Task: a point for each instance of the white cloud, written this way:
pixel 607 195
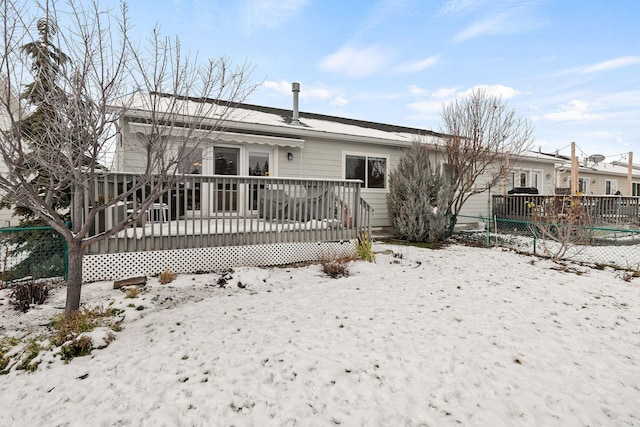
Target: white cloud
pixel 258 14
pixel 500 17
pixel 445 92
pixel 416 66
pixel 601 135
pixel 493 25
pixel 310 92
pixel 315 93
pixel 576 110
pixel 433 104
pixel 612 64
pixel 415 90
pixel 357 61
pixel 339 101
pixel 426 107
pixel 499 91
pixel 279 87
pixel 459 7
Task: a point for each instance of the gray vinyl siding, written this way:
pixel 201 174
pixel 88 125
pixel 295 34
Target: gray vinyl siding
pixel 477 205
pixel 325 159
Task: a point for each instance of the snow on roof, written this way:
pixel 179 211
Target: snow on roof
pixel 278 120
pixel 613 168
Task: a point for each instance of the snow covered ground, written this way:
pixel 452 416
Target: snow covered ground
pixel 457 336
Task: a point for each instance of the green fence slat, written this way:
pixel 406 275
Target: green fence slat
pixel 32 253
pixel 614 246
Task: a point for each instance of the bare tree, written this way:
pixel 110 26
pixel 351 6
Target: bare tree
pixel 483 136
pixel 562 224
pixel 107 74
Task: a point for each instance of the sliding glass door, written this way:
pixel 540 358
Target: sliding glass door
pixel 226 163
pixel 240 161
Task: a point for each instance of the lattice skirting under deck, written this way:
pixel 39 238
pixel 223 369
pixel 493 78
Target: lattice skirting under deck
pixel 122 265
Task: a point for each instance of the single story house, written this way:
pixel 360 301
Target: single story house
pixel 260 140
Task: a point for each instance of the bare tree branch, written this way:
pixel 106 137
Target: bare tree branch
pixel 483 137
pixel 185 102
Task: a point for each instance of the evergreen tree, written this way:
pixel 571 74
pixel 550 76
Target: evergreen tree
pixel 41 250
pixel 419 194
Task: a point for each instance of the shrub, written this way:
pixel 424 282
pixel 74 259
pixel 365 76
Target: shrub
pixel 81 346
pixel 29 293
pixel 6 344
pixel 167 276
pixel 336 267
pixel 30 352
pixel 83 320
pixel 419 197
pixel 364 247
pixel 13 354
pixel 563 224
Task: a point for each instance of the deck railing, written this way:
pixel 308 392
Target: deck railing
pixel 210 211
pixel 602 210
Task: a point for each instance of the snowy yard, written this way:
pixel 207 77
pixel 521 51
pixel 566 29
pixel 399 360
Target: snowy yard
pixel 458 336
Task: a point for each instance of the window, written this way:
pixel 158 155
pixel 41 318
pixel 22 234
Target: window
pixel 583 185
pixel 369 169
pixel 226 160
pixel 635 188
pixel 524 178
pixel 610 186
pixel 191 163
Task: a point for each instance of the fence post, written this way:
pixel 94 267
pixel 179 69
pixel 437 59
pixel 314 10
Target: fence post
pixel 488 224
pixel 65 258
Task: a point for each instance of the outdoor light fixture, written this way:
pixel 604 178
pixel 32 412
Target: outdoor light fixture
pixel 289 156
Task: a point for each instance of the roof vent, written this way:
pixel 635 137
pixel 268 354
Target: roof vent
pixel 295 88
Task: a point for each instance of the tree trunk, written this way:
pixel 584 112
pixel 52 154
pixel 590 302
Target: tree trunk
pixel 74 280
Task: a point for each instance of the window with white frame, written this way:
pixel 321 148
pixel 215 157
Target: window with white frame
pixel 372 170
pixel 635 188
pixel 610 186
pixel 525 178
pixel 583 185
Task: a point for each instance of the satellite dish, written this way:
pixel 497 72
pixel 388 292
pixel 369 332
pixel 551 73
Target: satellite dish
pixel 596 158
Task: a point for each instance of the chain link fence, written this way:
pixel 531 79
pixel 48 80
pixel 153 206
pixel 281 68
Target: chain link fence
pixel 28 254
pixel 605 246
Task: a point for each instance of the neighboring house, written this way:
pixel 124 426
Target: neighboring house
pixel 6 219
pixel 532 169
pixel 600 179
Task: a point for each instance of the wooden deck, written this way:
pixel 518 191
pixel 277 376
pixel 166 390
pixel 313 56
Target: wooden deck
pixel 212 211
pixel 601 210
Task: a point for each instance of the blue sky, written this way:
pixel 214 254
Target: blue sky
pixel 571 66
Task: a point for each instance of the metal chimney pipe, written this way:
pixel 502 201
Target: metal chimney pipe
pixel 295 88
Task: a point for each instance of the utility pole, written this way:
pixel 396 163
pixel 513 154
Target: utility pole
pixel 574 170
pixel 630 174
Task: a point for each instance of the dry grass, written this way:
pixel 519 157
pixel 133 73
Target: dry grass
pixel 167 276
